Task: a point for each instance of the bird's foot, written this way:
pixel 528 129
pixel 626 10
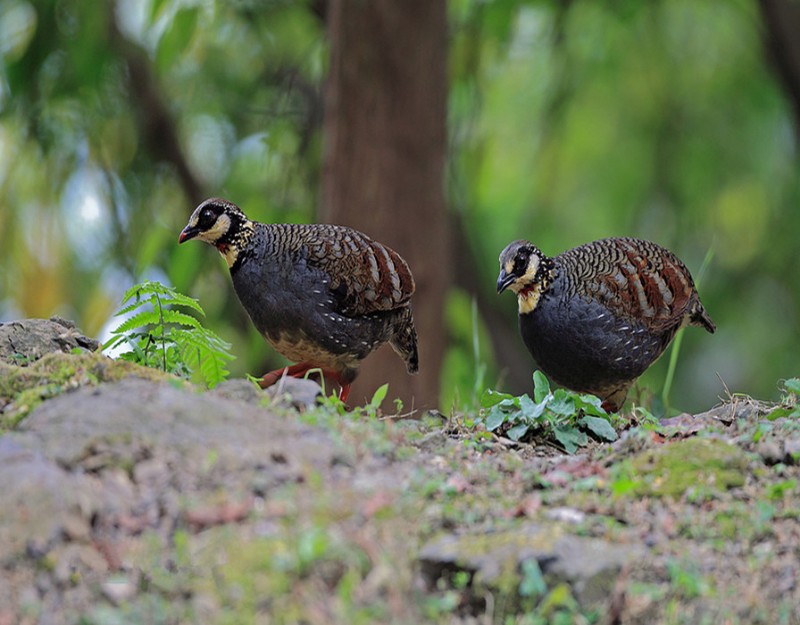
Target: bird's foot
pixel 300 370
pixel 295 371
pixel 609 406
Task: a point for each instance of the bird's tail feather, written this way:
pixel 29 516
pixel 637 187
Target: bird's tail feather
pixel 699 317
pixel 404 340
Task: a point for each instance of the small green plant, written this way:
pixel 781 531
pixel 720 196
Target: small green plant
pixel 374 404
pixel 532 583
pixel 687 580
pixel 162 336
pixel 789 406
pixel 561 414
pixel 332 405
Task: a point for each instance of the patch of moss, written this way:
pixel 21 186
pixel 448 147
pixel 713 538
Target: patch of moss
pixel 302 574
pixel 728 524
pixel 23 388
pixel 495 556
pixel 695 466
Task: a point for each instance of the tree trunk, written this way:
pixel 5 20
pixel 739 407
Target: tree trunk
pixel 781 21
pixel 383 165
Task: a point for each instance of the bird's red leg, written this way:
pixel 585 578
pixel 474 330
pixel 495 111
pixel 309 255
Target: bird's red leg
pixel 336 377
pixel 332 378
pixel 299 370
pixel 295 371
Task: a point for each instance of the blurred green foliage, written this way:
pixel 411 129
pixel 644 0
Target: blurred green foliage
pixel 567 122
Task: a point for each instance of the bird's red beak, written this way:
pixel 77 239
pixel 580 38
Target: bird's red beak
pixel 187 233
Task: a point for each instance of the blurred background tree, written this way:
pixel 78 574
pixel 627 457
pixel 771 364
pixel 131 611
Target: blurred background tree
pixel 566 121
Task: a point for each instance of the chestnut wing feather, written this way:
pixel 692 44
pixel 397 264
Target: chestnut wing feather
pixel 364 276
pixel 635 279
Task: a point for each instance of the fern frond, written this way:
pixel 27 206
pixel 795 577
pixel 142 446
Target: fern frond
pixel 174 298
pixel 140 319
pixel 114 341
pixel 216 341
pixel 213 370
pixel 134 291
pixel 162 336
pixel 176 316
pixel 203 339
pixel 145 289
pixel 129 308
pixel 205 351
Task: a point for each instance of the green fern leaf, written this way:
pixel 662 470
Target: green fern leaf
pixel 132 292
pixel 140 319
pixel 176 316
pixel 205 352
pixel 114 341
pixel 179 299
pixel 213 370
pixel 127 309
pixel 163 336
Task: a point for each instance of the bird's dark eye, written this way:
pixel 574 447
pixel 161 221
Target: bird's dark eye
pixel 207 218
pixel 521 264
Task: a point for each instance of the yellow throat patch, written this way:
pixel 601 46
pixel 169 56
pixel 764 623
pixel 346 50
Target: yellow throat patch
pixel 528 298
pixel 230 253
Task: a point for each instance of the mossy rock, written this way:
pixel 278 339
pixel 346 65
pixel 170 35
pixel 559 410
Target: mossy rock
pixel 496 561
pixel 23 388
pixel 694 465
pixel 26 340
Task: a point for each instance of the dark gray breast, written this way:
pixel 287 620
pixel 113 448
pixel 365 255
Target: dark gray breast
pixel 325 285
pixel 611 310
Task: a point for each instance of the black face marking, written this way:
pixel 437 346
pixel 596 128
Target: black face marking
pixel 516 257
pixel 208 217
pixel 521 260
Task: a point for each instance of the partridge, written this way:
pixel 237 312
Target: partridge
pixel 324 296
pixel 597 316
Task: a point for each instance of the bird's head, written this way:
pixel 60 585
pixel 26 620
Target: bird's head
pixel 525 271
pixel 219 223
pixel 519 267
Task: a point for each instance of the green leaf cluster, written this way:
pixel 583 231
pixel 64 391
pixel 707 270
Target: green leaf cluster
pixel 162 336
pixel 568 417
pixel 789 406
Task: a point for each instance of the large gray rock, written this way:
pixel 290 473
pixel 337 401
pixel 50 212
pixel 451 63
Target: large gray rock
pixel 29 339
pixel 39 502
pixel 133 420
pixel 288 392
pixel 91 470
pixel 589 565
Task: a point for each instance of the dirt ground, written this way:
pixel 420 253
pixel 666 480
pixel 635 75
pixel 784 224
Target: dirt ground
pixel 128 496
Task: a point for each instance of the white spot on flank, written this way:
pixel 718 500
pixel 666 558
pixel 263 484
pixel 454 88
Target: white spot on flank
pixel 617 359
